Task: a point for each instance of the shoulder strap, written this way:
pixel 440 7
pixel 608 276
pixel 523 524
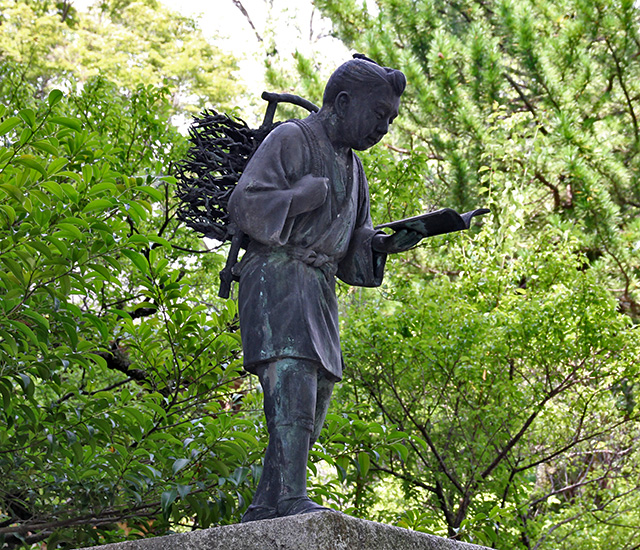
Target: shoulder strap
pixel 312 141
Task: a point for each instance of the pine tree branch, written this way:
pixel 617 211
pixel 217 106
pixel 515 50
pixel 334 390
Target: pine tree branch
pixel 526 101
pixel 554 189
pixel 625 91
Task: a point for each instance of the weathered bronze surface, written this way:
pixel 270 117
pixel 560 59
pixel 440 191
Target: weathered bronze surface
pixel 303 201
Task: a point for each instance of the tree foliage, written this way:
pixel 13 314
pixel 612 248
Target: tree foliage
pixel 491 385
pixel 128 43
pixel 120 378
pixel 508 358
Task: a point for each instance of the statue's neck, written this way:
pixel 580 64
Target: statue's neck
pixel 330 123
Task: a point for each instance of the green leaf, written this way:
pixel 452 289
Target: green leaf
pixel 342 463
pixel 365 463
pixel 155 194
pixel 103 187
pixel 29 412
pixel 28 116
pixel 41 321
pixel 31 162
pixel 78 452
pixel 54 97
pixel 166 500
pixel 71 329
pixel 67 122
pixel 25 381
pixel 120 313
pixel 53 188
pixel 9 340
pixel 9 213
pixel 98 359
pixel 9 124
pixel 401 450
pixel 98 204
pixel 138 260
pixel 42 248
pixel 14 267
pixel 87 173
pixel 156 409
pixel 6 389
pixel 59 244
pixel 136 209
pixel 179 464
pixel 70 191
pixel 76 221
pixel 26 331
pixel 71 230
pixel 25 136
pixel 56 165
pixel 46 146
pixel 183 490
pixel 136 238
pixel 106 274
pixel 13 191
pixel 159 240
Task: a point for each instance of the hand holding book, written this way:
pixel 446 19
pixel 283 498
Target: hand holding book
pixel 431 224
pixel 397 242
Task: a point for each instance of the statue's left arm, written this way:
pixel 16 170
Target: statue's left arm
pixel 362 265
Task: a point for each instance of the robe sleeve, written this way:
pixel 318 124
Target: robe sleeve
pixel 261 201
pixel 362 266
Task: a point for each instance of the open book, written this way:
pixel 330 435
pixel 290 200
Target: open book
pixel 436 223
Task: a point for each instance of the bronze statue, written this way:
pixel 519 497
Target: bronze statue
pixel 303 201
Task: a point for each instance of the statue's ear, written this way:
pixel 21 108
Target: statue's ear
pixel 341 104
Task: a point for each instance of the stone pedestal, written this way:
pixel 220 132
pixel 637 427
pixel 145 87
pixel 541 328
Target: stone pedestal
pixel 317 531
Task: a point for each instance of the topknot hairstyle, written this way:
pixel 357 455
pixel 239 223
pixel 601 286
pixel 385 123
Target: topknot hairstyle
pixel 358 71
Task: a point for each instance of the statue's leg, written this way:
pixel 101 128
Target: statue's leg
pixel 267 492
pixel 323 400
pixel 290 387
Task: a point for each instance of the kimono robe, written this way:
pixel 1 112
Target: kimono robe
pixel 287 301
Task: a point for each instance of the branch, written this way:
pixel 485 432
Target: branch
pixel 244 12
pixel 556 526
pixel 568 446
pixel 554 189
pixel 140 312
pixel 577 485
pixel 118 359
pixel 405 477
pixel 429 441
pixel 108 388
pixel 109 517
pixel 558 389
pixel 523 97
pixel 624 89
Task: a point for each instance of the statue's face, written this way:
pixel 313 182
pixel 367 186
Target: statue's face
pixel 365 116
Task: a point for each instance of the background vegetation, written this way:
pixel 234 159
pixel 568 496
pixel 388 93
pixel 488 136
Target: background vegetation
pixel 492 382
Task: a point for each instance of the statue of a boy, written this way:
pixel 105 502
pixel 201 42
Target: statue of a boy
pixel 303 200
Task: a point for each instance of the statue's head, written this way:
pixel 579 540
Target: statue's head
pixel 364 98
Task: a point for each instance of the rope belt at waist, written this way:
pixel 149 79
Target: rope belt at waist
pixel 306 255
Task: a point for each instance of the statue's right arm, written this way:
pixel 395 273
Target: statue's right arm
pixel 275 187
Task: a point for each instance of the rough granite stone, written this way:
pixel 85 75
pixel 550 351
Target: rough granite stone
pixel 317 531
